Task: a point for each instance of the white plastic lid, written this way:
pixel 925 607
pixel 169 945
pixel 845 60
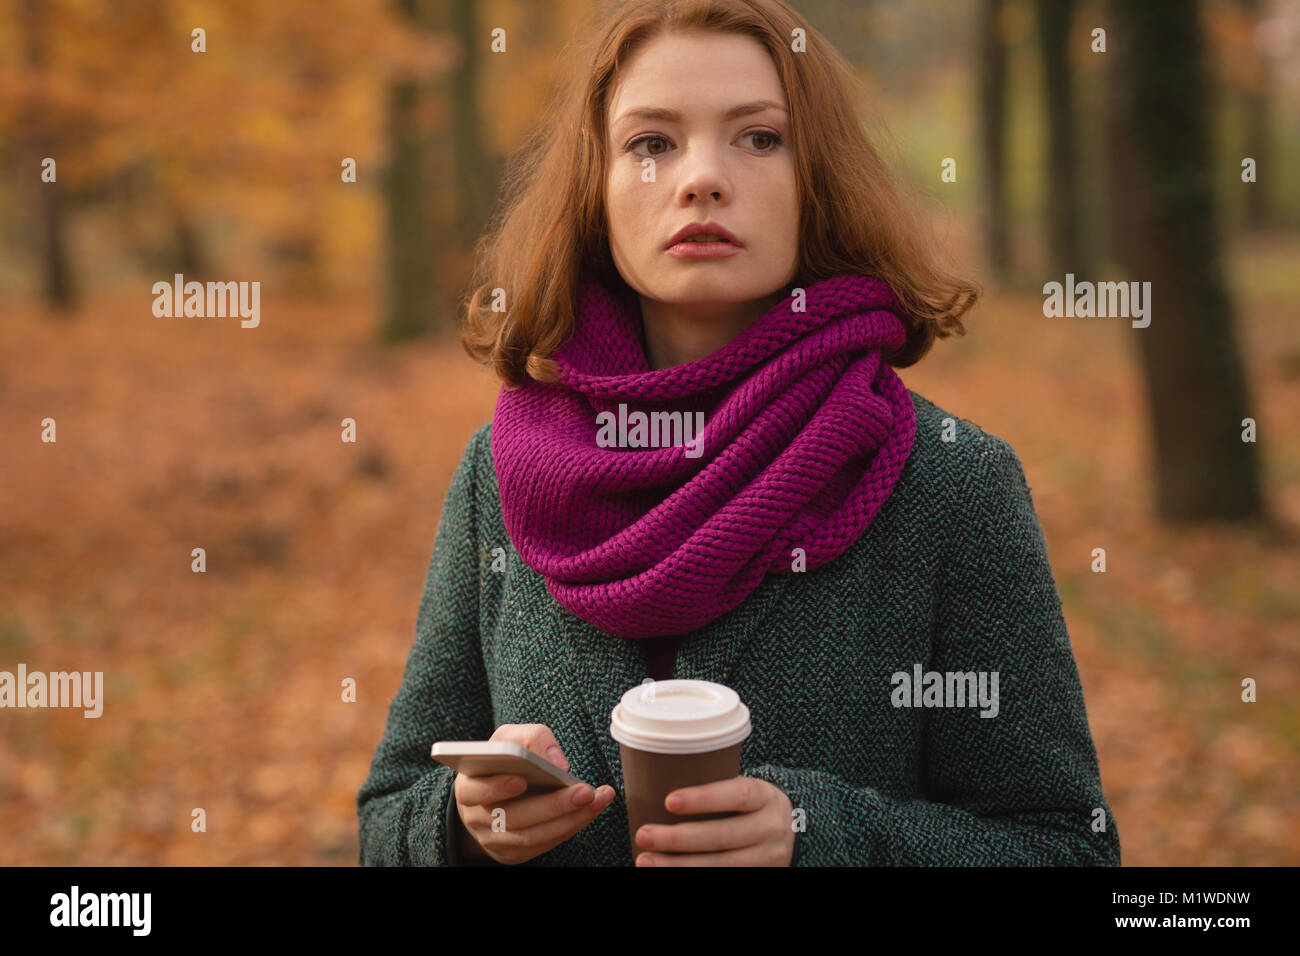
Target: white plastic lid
pixel 680 717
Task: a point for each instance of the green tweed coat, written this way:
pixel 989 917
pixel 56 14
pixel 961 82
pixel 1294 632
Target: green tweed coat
pixel 952 575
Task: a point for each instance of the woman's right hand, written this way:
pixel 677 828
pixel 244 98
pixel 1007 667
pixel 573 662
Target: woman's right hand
pixel 534 823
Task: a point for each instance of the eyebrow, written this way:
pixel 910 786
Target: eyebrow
pixel 672 116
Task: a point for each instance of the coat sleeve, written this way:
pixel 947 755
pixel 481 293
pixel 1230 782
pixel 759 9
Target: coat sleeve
pixel 406 804
pixel 1019 788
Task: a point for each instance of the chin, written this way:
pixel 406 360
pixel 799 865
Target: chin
pixel 713 285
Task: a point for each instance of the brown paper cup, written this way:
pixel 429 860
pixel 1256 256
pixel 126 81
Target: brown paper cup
pixel 648 778
pixel 674 734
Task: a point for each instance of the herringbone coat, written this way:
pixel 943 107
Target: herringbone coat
pixel 952 574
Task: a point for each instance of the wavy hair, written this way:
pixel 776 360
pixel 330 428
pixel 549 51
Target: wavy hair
pixel 549 227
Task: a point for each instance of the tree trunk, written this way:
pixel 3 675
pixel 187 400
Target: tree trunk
pixel 412 287
pixel 1165 233
pixel 992 62
pixel 59 284
pixel 188 255
pixel 473 170
pixel 1258 131
pixel 1062 185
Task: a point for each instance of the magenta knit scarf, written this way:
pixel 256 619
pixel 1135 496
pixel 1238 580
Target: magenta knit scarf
pixel 806 430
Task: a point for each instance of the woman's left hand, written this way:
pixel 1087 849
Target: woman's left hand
pixel 759 835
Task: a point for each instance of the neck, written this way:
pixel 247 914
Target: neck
pixel 675 335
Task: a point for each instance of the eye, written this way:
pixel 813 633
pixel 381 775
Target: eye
pixel 631 147
pixel 775 138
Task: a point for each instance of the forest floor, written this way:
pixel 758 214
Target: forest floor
pixel 223 689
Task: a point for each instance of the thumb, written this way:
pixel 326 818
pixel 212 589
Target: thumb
pixel 543 743
pixel 555 755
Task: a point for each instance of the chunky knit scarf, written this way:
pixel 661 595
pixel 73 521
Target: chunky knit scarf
pixel 643 530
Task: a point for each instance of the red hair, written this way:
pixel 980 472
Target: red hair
pixel 550 228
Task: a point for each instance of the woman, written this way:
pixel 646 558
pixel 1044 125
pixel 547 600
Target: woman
pixel 843 553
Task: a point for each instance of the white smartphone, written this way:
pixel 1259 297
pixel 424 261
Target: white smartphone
pixel 476 758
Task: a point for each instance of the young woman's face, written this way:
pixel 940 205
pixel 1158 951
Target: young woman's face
pixel 734 171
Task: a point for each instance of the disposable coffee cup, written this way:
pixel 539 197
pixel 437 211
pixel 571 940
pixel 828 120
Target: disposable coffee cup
pixel 673 734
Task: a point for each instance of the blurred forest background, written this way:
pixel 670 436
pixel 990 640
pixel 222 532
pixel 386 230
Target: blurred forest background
pixel 223 689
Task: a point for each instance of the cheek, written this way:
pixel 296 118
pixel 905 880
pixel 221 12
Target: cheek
pixel 790 193
pixel 624 200
pixel 781 200
pixel 616 194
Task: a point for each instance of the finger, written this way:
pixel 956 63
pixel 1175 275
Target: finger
pixel 539 739
pixel 489 789
pixel 556 756
pixel 761 854
pixel 535 737
pixel 528 811
pixel 540 837
pixel 697 836
pixel 742 794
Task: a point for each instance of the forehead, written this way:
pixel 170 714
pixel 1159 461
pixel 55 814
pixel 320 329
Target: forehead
pixel 699 75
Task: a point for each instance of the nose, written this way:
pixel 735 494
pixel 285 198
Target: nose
pixel 703 176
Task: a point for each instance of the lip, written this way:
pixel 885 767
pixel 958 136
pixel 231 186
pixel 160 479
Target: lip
pixel 702 228
pixel 703 250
